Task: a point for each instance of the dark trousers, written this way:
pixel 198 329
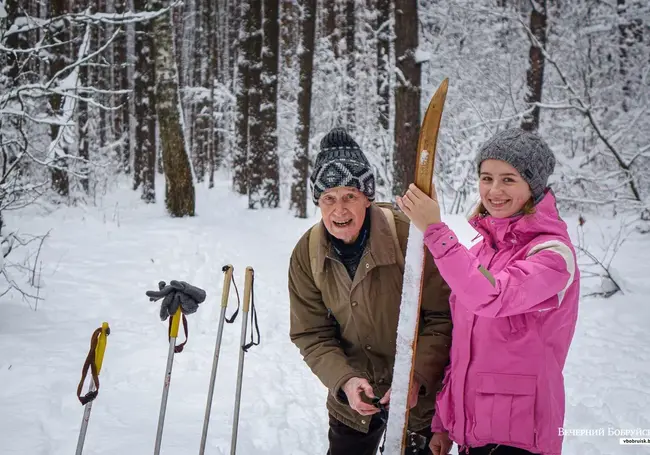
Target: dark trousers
pixel 348 441
pixel 496 449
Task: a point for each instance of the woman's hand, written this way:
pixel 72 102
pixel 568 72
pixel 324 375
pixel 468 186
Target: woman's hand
pixel 440 444
pixel 421 209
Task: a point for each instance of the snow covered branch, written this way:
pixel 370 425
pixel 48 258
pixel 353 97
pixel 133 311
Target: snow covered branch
pixel 585 109
pixel 28 23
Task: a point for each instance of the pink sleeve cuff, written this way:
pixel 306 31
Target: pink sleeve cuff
pixel 439 238
pixel 436 424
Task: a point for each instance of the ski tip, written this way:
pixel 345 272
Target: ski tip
pixel 437 102
pixel 441 93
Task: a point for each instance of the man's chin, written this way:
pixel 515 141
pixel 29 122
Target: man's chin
pixel 344 235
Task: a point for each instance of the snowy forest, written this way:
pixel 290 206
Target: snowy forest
pixel 149 140
pixel 97 91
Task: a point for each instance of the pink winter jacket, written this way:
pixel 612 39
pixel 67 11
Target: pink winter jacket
pixel 514 306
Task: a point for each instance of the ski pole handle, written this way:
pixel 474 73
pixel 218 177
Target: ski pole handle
pixel 101 346
pixel 227 277
pixel 94 359
pixel 228 269
pixel 176 322
pixel 248 286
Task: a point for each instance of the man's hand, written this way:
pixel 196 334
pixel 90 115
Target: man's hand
pixel 440 444
pixel 413 396
pixel 353 389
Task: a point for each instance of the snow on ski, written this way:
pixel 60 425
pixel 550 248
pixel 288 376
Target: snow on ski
pixel 406 329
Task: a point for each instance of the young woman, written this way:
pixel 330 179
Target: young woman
pixel 514 305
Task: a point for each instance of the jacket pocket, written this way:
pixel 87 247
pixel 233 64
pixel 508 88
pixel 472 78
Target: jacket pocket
pixel 504 408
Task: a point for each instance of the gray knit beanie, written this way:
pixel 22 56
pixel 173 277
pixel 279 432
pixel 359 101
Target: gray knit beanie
pixel 341 163
pixel 524 151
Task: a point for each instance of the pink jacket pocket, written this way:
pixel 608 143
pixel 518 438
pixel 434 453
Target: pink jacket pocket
pixel 504 408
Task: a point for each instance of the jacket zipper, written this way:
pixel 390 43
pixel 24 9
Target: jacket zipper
pixel 493 246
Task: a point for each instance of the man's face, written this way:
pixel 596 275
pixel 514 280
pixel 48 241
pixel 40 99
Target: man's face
pixel 343 210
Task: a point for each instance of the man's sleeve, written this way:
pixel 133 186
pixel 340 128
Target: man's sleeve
pixel 434 340
pixel 314 333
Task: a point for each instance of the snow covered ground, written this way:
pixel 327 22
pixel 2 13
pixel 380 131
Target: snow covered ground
pixel 99 261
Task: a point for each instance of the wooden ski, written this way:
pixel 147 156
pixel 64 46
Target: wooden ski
pixel 397 440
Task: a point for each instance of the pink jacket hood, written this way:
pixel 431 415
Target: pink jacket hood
pixel 514 306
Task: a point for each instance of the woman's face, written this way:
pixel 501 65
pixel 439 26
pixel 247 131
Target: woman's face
pixel 503 191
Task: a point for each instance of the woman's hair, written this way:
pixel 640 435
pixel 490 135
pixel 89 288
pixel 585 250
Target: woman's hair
pixel 527 209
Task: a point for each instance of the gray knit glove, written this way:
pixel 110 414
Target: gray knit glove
pixel 175 294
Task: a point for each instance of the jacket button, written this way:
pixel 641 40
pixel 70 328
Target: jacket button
pixel 368 347
pixel 380 381
pixel 355 303
pixel 363 422
pixel 367 265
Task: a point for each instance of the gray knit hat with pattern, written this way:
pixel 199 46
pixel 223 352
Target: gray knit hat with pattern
pixel 341 163
pixel 524 151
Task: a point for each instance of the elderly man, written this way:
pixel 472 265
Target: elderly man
pixel 345 287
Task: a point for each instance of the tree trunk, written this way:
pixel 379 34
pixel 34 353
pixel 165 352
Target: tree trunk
pixel 235 16
pixel 351 50
pixel 200 108
pixel 332 29
pixel 231 78
pixel 383 55
pixel 145 97
pixel 289 32
pixel 83 144
pixel 121 69
pixel 630 32
pixel 535 74
pixel 179 188
pixel 255 145
pixel 101 79
pixel 178 16
pixel 301 160
pixel 14 75
pixel 332 25
pixel 267 163
pixel 196 142
pixel 407 94
pixel 212 23
pixel 59 34
pixel 240 171
pixel 12 62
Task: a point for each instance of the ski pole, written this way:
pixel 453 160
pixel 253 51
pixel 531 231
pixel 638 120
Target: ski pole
pixel 249 301
pixel 228 269
pixel 93 361
pixel 173 334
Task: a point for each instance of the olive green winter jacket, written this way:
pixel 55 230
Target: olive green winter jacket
pixel 349 327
